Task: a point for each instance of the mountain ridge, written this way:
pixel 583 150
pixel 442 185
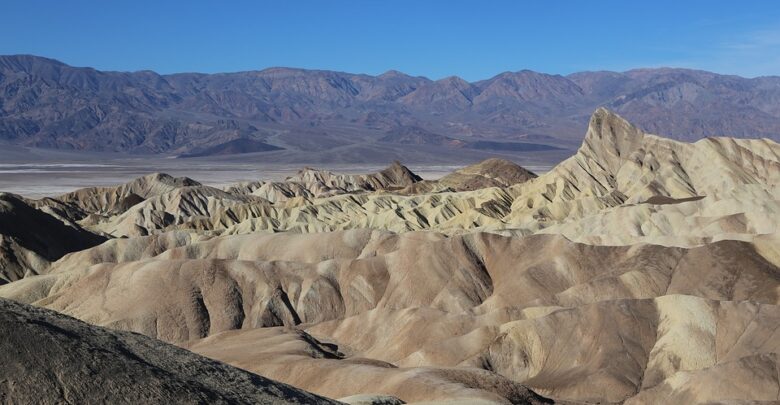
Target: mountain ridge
pixel 47 103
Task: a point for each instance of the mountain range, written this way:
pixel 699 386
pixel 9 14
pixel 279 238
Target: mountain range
pixel 46 103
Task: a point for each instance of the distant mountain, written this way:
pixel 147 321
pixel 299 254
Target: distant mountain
pixel 412 135
pixel 233 147
pixel 689 104
pixel 46 103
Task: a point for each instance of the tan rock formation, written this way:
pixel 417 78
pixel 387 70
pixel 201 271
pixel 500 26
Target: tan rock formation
pixel 503 305
pixel 640 270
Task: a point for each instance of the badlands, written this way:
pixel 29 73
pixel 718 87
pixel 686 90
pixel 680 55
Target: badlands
pixel 639 270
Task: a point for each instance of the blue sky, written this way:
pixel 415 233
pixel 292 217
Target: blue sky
pixel 471 39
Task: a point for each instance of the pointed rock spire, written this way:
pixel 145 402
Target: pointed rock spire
pixel 610 138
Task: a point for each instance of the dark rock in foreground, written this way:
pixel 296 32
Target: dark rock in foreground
pixel 51 358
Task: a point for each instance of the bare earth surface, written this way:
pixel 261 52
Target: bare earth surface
pixel 639 270
pixel 50 358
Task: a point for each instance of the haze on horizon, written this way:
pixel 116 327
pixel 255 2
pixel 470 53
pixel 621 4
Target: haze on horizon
pixel 435 39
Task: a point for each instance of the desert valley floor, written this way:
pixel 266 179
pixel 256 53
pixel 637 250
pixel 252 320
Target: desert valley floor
pixel 639 270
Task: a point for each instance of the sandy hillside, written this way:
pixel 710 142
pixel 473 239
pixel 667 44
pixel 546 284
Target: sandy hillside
pixel 640 270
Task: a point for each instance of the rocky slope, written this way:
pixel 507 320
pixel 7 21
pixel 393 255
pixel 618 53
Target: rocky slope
pixel 489 173
pixel 31 239
pixel 49 358
pixel 107 201
pixel 46 103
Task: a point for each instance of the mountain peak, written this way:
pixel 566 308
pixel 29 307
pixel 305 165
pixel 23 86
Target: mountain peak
pixel 392 73
pixel 455 80
pixel 400 173
pixel 610 137
pixel 30 64
pixel 607 124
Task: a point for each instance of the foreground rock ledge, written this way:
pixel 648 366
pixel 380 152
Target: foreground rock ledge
pixel 50 358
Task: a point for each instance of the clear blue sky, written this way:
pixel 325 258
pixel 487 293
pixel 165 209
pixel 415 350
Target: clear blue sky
pixel 471 39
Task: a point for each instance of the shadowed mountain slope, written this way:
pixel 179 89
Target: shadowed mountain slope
pixel 30 239
pixel 50 358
